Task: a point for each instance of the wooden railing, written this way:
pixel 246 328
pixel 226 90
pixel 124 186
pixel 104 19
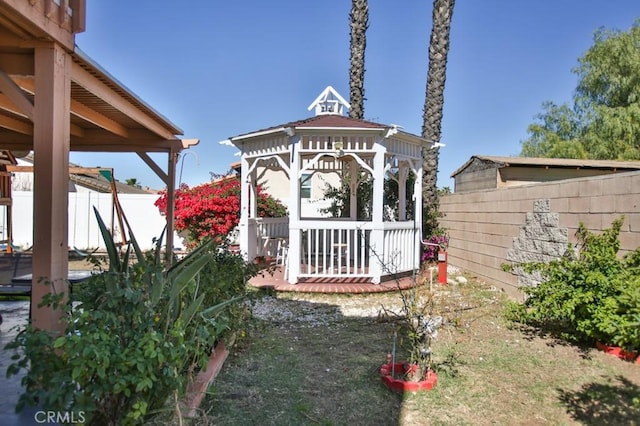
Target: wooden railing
pixel 69 15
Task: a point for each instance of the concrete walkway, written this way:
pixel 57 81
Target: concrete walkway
pixel 14 315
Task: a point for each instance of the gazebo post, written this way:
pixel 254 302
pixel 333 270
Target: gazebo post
pixel 376 263
pixel 248 250
pixel 403 173
pixel 417 214
pixel 295 242
pixel 353 186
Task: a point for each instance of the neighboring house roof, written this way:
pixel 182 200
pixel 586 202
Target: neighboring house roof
pixel 552 162
pixel 99 183
pixel 236 166
pixel 96 181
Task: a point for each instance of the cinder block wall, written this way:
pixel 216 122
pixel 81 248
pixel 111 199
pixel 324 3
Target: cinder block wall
pixel 491 227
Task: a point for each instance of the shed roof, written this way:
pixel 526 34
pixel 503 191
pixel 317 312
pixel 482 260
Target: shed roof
pixel 551 162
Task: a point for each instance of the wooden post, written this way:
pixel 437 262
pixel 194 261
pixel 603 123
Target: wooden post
pixel 171 204
pixel 51 182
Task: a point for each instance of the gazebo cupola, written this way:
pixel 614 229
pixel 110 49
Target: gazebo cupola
pixel 373 234
pixel 330 102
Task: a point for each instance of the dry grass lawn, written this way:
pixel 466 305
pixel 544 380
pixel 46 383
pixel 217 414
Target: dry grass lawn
pixel 314 359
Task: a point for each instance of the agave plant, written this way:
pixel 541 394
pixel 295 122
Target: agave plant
pixel 135 337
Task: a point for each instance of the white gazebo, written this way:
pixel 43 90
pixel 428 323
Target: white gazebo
pixel 334 148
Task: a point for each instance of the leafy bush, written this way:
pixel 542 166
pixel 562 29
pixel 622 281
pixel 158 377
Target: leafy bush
pixel 135 337
pixel 592 295
pixel 225 278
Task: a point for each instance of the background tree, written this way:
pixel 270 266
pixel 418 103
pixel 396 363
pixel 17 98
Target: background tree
pixel 359 22
pixel 339 197
pixel 432 114
pixel 604 122
pixel 133 182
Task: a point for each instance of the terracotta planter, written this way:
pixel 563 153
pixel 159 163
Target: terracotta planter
pixel 619 352
pixel 197 390
pixel 400 385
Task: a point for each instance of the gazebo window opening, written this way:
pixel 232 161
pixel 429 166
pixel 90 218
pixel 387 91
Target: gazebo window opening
pixel 339 195
pixel 305 185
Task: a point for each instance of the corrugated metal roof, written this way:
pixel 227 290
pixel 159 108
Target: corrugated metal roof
pixel 552 162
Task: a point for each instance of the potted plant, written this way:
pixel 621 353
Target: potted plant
pixel 417 327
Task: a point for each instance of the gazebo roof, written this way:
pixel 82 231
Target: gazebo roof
pixel 329 121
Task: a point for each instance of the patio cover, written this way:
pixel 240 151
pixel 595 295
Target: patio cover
pixel 55 99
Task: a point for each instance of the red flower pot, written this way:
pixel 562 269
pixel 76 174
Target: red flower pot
pixel 619 352
pixel 400 385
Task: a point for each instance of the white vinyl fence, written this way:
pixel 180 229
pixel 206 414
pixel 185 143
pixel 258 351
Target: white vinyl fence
pixel 143 217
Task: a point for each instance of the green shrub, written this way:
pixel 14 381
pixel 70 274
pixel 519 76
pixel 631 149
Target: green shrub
pixel 136 334
pixel 625 322
pixel 593 295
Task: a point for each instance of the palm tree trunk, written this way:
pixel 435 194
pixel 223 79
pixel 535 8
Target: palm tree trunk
pixel 359 22
pixel 432 114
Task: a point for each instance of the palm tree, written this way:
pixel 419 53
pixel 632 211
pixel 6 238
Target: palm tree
pixel 432 114
pixel 359 22
pixel 133 182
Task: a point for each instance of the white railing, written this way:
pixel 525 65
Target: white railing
pixel 400 248
pixel 335 249
pixel 270 230
pixel 345 249
pixel 342 248
pixel 273 227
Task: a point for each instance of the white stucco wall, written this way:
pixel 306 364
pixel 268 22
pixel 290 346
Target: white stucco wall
pixel 276 184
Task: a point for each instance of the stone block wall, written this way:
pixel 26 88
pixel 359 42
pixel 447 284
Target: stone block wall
pixel 490 228
pixel 541 239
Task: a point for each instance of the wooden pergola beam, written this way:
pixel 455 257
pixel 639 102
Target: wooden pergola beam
pixel 15 94
pixel 78 109
pixel 82 111
pixel 83 78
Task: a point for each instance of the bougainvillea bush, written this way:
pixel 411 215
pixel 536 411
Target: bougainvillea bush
pixel 430 253
pixel 212 210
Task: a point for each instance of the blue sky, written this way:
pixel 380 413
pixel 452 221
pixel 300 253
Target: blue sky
pixel 221 68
